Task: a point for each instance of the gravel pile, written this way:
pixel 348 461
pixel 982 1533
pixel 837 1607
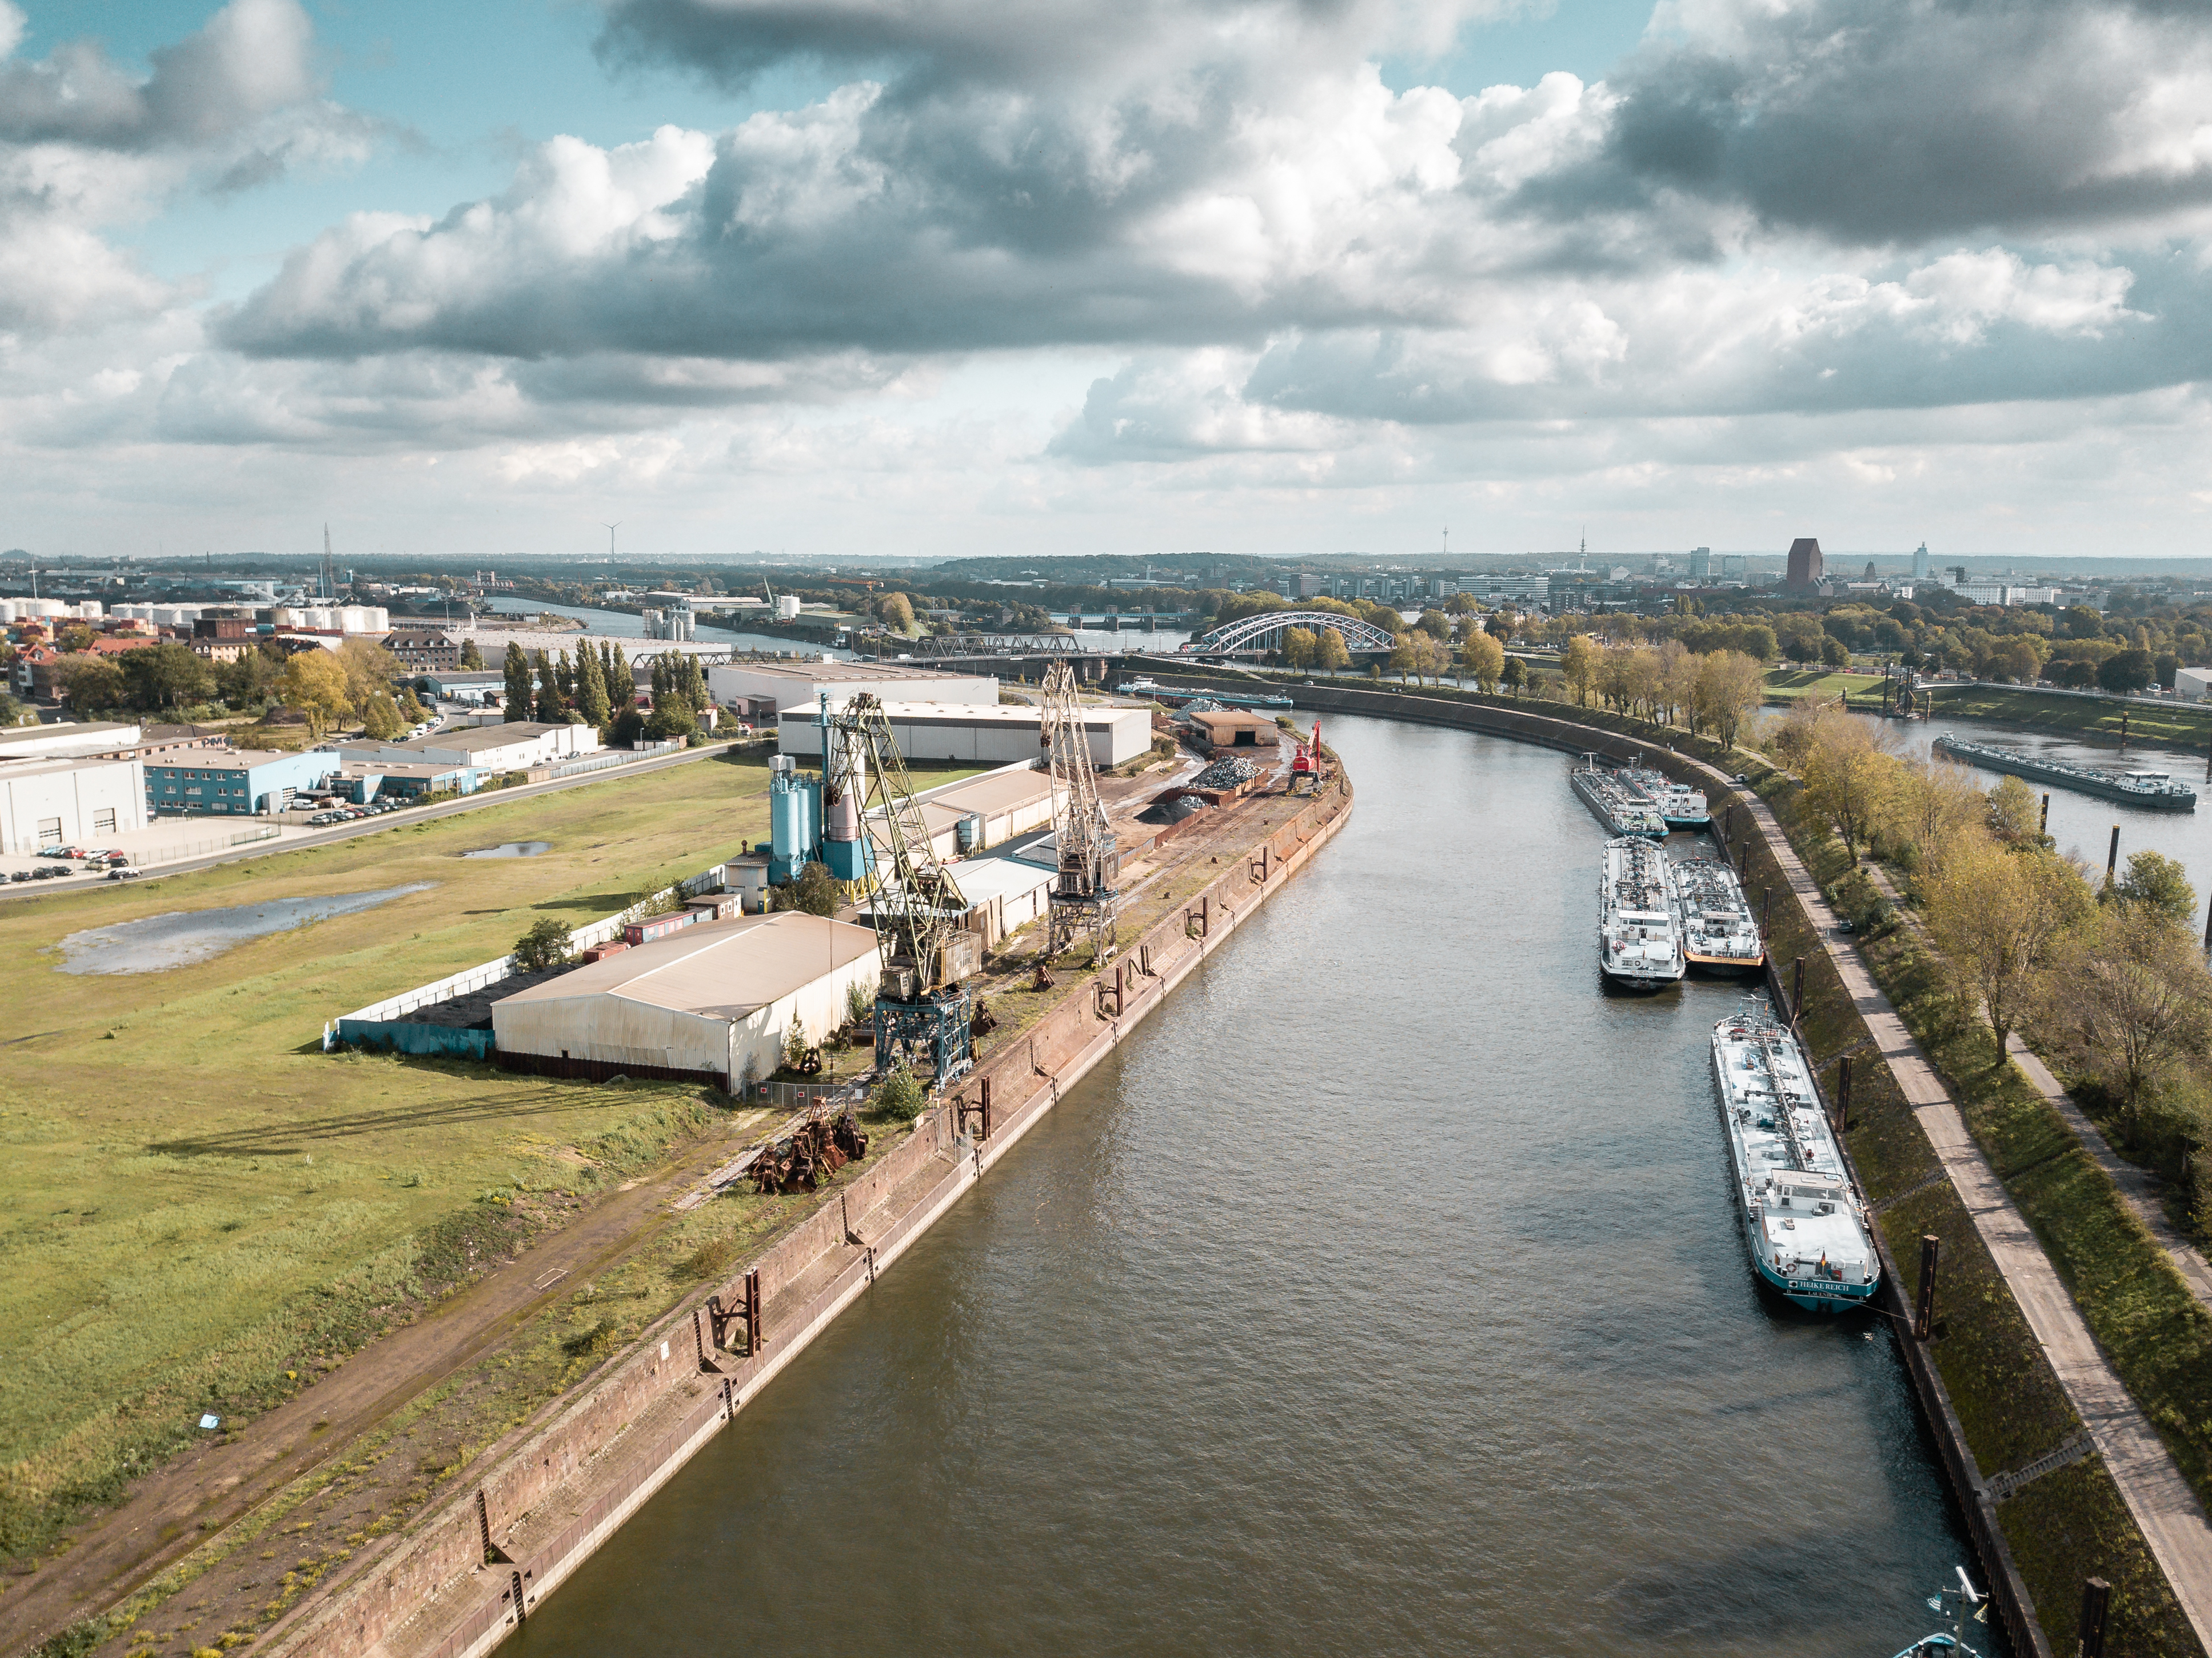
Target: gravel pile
pixel 1225 774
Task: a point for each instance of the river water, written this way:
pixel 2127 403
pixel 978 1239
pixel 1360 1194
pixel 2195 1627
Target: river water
pixel 1383 1295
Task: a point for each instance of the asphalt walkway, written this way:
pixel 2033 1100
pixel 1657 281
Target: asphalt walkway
pixel 2172 1520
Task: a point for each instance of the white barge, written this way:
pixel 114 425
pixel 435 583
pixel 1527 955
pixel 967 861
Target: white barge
pixel 1639 942
pixel 1807 1228
pixel 1682 806
pixel 1719 932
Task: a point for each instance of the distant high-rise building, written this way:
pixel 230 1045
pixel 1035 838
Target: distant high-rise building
pixel 1805 568
pixel 1701 563
pixel 1869 575
pixel 1732 566
pixel 1920 562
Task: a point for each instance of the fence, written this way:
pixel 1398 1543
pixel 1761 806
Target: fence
pixel 603 761
pixel 350 1027
pixel 202 848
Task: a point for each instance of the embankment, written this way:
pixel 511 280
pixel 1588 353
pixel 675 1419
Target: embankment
pixel 457 1584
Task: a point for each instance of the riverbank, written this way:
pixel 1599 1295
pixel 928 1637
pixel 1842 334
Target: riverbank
pixel 2010 1407
pixel 2097 719
pixel 536 1505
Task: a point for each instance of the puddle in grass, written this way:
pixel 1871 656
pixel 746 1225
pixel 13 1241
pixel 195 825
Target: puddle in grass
pixel 512 849
pixel 182 937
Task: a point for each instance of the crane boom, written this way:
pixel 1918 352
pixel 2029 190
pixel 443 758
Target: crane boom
pixel 1083 902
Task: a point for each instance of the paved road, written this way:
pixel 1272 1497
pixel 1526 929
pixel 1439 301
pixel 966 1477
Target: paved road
pixel 2167 1511
pixel 392 820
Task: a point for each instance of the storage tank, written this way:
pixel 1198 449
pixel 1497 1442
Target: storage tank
pixel 794 812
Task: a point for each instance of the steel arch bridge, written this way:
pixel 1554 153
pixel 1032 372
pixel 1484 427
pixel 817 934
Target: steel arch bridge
pixel 1248 634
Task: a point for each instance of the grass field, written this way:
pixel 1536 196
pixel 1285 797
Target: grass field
pixel 199 1200
pixel 1789 685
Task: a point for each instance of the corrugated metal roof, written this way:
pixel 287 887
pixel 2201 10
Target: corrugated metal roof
pixel 717 969
pixel 998 792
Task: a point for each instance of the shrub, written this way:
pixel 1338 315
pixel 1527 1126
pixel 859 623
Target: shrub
pixel 899 1096
pixel 795 1043
pixel 860 1005
pixel 546 944
pixel 815 891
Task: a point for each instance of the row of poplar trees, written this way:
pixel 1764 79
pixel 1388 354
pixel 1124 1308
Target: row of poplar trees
pixel 598 690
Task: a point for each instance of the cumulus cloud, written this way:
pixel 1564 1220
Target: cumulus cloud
pixel 1898 122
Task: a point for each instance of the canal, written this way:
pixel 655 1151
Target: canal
pixel 1383 1295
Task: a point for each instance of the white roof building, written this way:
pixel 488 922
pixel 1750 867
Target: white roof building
pixel 985 735
pixel 800 684
pixel 516 745
pixel 711 1000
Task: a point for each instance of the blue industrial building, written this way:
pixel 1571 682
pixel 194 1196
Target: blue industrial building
pixel 235 782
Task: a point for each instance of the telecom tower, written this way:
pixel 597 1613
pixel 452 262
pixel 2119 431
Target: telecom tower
pixel 1083 902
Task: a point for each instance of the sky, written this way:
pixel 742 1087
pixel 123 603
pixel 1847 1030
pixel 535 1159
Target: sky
pixel 830 279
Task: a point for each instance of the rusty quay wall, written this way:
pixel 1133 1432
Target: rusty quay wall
pixel 457 1584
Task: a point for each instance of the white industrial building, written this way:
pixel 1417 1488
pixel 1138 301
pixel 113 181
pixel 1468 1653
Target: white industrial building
pixel 980 735
pixel 517 745
pixel 716 998
pixel 66 801
pixel 2193 684
pixel 751 687
pixel 69 738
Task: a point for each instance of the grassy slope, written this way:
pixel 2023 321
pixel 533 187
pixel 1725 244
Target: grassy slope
pixel 198 1199
pixel 2174 725
pixel 1787 684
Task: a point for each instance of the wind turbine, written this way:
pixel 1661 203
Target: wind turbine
pixel 610 529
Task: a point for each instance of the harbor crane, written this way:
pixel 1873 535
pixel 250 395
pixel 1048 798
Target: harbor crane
pixel 873 834
pixel 1083 902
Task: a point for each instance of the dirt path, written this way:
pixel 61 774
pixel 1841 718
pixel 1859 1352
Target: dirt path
pixel 2173 1521
pixel 193 1497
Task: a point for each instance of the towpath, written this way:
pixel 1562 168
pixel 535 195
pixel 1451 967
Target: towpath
pixel 193 1497
pixel 2172 1520
pixel 2137 1186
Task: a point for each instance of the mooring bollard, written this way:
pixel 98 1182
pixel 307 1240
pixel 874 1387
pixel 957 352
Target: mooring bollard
pixel 2112 857
pixel 2096 1596
pixel 1923 1320
pixel 2043 824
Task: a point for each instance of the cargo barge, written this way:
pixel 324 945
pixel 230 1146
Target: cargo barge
pixel 1682 806
pixel 2155 789
pixel 1804 1224
pixel 1639 942
pixel 1622 810
pixel 1719 932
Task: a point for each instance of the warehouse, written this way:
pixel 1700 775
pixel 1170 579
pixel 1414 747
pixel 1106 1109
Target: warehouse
pixel 987 736
pixel 762 690
pixel 711 1002
pixel 1217 729
pixel 65 802
pixel 517 745
pixel 235 782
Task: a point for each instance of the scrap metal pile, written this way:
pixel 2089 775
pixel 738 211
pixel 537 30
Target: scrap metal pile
pixel 819 1150
pixel 1225 774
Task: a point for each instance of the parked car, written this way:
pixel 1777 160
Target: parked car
pixel 57 852
pixel 19 875
pixel 115 859
pixel 122 873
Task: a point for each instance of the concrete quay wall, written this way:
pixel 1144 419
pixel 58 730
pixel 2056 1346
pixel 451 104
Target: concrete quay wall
pixel 552 1492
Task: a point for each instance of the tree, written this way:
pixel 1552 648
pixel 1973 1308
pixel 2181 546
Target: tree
pixel 1833 653
pixel 691 682
pixel 1848 779
pixel 795 1043
pixel 2128 1000
pixel 899 1097
pixel 2013 814
pixel 1581 663
pixel 1404 656
pixel 165 675
pixel 11 711
pixel 814 891
pixel 89 682
pixel 1730 684
pixel 670 719
pixel 546 944
pixel 591 689
pixel 2125 671
pixel 1436 624
pixel 1484 658
pixel 627 729
pixel 519 695
pixel 1298 646
pixel 564 678
pixel 472 658
pixel 380 718
pixel 1329 651
pixel 896 611
pixel 2158 886
pixel 622 683
pixel 313 683
pixel 1516 675
pixel 548 709
pixel 1932 807
pixel 1995 913
pixel 249 680
pixel 368 669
